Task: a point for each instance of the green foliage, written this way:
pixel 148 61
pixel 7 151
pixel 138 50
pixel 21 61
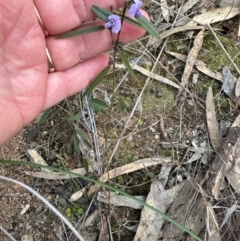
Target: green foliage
pixel 74 211
pixel 96 81
pixel 98 104
pixel 81 31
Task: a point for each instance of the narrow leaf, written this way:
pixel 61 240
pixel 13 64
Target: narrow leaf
pixel 81 31
pixel 127 65
pixel 85 165
pixel 98 104
pixel 103 14
pixel 81 133
pixel 76 145
pixel 121 104
pixel 45 115
pixel 148 26
pixel 96 81
pixel 75 117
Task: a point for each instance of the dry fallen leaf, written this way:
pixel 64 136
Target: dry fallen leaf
pixel 151 222
pixel 215 15
pixel 36 158
pixel 212 223
pixel 212 122
pixel 128 168
pixel 56 175
pixel 199 65
pixel 165 10
pixel 192 56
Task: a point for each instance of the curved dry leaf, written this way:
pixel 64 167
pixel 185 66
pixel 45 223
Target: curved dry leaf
pixel 215 15
pixel 128 168
pixel 212 122
pixel 191 59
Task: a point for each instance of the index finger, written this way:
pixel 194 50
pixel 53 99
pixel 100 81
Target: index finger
pixel 63 15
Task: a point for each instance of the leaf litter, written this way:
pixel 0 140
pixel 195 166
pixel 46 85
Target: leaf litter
pixel 189 211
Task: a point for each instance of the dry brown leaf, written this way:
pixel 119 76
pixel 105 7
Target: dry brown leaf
pixel 188 209
pixel 36 158
pixel 237 88
pixel 104 232
pixel 199 65
pixel 120 200
pixel 169 32
pixel 56 175
pixel 165 10
pixel 128 168
pixel 215 137
pixel 151 222
pixel 232 174
pixel 192 56
pixel 215 15
pixel 212 223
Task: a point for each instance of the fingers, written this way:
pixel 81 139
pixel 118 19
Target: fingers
pixel 66 83
pixel 60 16
pixel 68 52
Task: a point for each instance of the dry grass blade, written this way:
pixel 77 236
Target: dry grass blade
pixel 192 56
pixel 216 138
pixel 151 223
pixel 128 168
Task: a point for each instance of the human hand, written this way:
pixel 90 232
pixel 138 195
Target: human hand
pixel 26 88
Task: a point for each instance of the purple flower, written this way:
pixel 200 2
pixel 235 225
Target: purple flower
pixel 114 23
pixel 134 9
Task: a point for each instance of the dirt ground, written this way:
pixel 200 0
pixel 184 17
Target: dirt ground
pixel 162 124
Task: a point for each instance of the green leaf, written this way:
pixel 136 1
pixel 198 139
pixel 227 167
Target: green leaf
pixel 121 104
pixel 76 145
pixel 81 31
pixel 75 117
pixel 127 65
pixel 96 81
pixel 151 175
pixel 85 164
pixel 98 104
pixel 45 115
pixel 148 26
pixel 103 14
pixel 80 133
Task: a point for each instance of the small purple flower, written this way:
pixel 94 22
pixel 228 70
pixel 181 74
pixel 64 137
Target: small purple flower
pixel 114 23
pixel 134 9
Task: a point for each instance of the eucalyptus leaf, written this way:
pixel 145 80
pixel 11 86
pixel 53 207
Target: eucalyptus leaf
pixel 148 26
pixel 103 14
pixel 98 104
pixel 96 81
pixel 127 65
pixel 91 29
